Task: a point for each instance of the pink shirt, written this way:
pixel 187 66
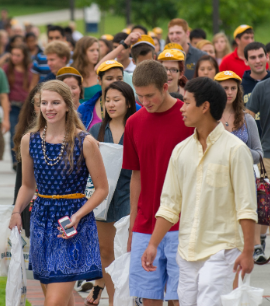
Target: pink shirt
pixel 95 120
pixel 17 92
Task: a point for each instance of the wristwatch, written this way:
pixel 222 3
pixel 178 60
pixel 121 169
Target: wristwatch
pixel 122 42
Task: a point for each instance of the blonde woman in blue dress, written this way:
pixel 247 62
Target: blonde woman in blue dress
pixel 57 156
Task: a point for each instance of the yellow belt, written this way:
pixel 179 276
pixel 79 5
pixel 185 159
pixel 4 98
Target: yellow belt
pixel 63 196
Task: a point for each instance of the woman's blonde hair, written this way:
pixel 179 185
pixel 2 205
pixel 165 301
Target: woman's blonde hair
pixel 72 120
pixel 227 49
pixel 80 59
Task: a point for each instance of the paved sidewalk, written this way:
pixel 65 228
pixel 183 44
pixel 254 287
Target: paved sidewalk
pixel 50 17
pixel 260 276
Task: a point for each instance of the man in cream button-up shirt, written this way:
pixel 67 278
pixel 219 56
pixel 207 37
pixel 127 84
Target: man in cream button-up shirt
pixel 210 181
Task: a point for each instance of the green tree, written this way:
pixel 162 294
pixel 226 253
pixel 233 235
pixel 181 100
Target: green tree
pixel 143 11
pixel 232 13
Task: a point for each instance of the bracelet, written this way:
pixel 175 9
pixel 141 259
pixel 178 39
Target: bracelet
pixel 15 213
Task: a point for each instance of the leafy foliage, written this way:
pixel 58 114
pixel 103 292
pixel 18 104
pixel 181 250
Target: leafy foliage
pixel 198 13
pixel 232 13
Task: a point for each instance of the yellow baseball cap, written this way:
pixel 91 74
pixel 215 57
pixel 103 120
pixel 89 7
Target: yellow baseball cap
pixel 174 46
pixel 171 55
pixel 242 28
pixel 68 71
pixel 202 43
pixel 107 36
pixel 152 34
pixel 127 30
pixel 226 75
pixel 145 39
pixel 108 65
pixel 158 30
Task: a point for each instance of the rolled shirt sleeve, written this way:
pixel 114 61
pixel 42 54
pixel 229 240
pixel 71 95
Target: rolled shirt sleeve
pixel 244 187
pixel 171 197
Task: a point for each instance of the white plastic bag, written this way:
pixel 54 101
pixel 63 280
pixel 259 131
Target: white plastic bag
pixel 112 155
pixel 16 281
pixel 244 294
pixel 5 215
pixel 121 236
pixel 119 271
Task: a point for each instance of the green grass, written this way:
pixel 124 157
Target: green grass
pixel 112 24
pixel 19 10
pixel 3 281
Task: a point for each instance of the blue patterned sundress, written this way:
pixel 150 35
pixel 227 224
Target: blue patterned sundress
pixel 53 259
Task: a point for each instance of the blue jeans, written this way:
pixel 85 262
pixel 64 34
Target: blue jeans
pixel 13 118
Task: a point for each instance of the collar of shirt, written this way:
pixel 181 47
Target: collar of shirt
pixel 235 54
pixel 213 136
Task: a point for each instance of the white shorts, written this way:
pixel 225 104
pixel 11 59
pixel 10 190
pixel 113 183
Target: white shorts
pixel 203 282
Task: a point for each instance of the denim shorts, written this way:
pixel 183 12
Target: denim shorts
pixel 151 285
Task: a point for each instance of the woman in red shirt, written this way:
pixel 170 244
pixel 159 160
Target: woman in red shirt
pixel 19 78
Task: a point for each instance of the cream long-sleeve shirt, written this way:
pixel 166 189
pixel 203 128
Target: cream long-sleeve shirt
pixel 212 190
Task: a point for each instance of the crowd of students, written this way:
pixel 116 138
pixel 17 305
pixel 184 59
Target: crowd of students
pixel 199 185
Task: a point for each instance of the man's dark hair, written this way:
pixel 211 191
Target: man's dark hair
pixel 205 89
pixel 177 95
pixel 138 26
pixel 248 31
pixel 141 49
pixel 30 34
pixel 68 31
pixel 254 46
pixel 267 46
pixel 197 33
pixel 119 36
pixel 56 28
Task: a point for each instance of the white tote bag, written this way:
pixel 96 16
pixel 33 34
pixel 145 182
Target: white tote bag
pixel 244 294
pixel 16 281
pixel 5 255
pixel 112 155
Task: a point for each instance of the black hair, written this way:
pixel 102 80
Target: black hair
pixel 70 39
pixel 30 34
pixel 204 58
pixel 177 95
pixel 128 93
pixel 247 31
pixel 68 30
pixel 197 33
pixel 254 46
pixel 205 89
pixel 138 26
pixel 141 49
pixel 12 41
pixel 52 28
pixel 119 36
pixel 267 46
pixel 102 73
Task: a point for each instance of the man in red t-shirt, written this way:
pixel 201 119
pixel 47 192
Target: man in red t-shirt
pixel 150 136
pixel 235 61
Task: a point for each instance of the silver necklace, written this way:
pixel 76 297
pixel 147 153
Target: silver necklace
pixel 226 122
pixel 51 161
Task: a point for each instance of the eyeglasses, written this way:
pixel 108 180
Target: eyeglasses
pixel 172 70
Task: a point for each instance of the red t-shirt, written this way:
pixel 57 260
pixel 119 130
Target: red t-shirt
pixel 149 140
pixel 234 63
